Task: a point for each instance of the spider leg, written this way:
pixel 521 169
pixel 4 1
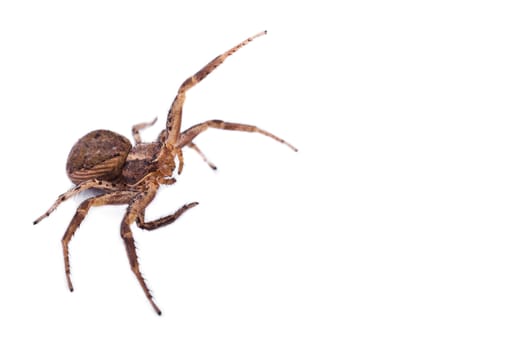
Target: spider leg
pixel 82 210
pixel 187 136
pixel 96 184
pixel 162 138
pixel 163 221
pixel 197 149
pixel 137 127
pixel 180 157
pixel 138 204
pixel 173 123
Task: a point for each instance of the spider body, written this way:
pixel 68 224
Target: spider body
pixel 130 174
pixel 106 155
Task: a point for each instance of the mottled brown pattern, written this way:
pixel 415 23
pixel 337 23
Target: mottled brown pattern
pixel 131 175
pixel 139 162
pixel 99 154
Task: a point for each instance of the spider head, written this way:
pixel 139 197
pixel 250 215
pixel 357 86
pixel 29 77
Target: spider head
pixel 142 162
pixel 165 162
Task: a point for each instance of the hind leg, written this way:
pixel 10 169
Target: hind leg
pixel 86 185
pixel 82 210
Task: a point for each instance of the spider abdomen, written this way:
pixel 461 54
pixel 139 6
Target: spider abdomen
pixel 100 155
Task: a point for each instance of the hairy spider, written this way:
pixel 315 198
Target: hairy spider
pixel 131 175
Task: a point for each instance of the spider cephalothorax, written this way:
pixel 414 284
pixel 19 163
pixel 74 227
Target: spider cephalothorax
pixel 130 175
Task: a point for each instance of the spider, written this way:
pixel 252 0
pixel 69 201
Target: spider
pixel 126 174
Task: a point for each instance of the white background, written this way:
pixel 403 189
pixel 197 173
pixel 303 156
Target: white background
pixel 398 224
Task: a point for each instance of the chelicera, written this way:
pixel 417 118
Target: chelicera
pixel 126 174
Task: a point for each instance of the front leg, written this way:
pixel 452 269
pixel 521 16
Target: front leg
pixel 174 121
pixel 199 152
pixel 186 138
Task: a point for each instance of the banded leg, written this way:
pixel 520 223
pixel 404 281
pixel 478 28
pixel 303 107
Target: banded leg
pixel 163 221
pixel 89 184
pixel 173 123
pixel 136 129
pixel 136 207
pixel 82 210
pixel 187 136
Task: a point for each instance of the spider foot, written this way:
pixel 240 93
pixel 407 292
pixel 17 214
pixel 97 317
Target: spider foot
pixel 40 219
pixel 46 214
pixel 69 284
pixel 156 308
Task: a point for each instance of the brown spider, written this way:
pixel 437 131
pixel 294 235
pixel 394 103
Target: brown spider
pixel 131 175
